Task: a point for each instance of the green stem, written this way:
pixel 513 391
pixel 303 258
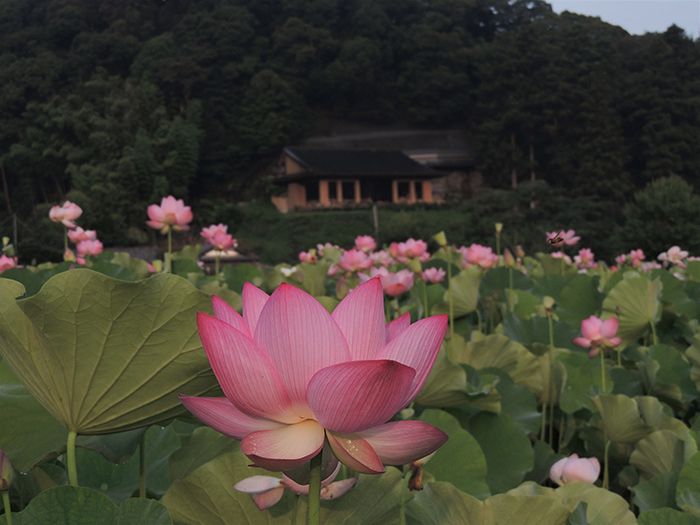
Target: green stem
pixel 216 266
pixel 653 333
pixel 498 248
pixel 606 482
pixel 543 424
pixel 425 299
pixel 551 380
pixel 70 458
pixel 169 265
pixel 402 502
pixel 6 503
pixel 450 301
pixel 511 297
pixel 65 239
pixel 315 491
pixel 602 367
pixel 142 467
pixel 619 359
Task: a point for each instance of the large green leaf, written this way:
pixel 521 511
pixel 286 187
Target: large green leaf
pixel 103 355
pixel 659 452
pixel 441 503
pixel 459 461
pixel 688 488
pixel 28 435
pixel 635 302
pixel 582 380
pixel 656 493
pixel 446 384
pixel 621 419
pixel 665 517
pixel 579 300
pixel 465 292
pixel 83 506
pixel 508 451
pixel 198 448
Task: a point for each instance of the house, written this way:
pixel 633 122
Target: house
pixel 325 178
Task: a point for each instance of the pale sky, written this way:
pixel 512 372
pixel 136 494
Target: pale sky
pixel 638 16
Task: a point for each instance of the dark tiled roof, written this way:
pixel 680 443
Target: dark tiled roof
pixel 349 162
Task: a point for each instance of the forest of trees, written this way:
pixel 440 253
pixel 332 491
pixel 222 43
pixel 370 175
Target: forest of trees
pixel 116 103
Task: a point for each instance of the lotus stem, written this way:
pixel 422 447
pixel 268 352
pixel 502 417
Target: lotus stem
pixel 142 467
pixel 425 300
pixel 65 239
pixel 216 265
pixel 655 339
pixel 606 482
pixel 315 491
pixel 169 265
pixel 551 380
pixel 450 300
pixel 70 458
pixel 511 297
pixel 8 509
pixel 402 502
pixel 543 424
pixel 602 368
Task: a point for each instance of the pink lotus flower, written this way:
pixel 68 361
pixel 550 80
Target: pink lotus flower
pixel 89 248
pixel 574 469
pixel 365 243
pixel 172 213
pixel 673 256
pixel 482 256
pixel 65 214
pixel 382 258
pixel 598 334
pixel 567 237
pixel 434 275
pixel 561 255
pixel 78 234
pixel 268 490
pixel 309 257
pixel 6 263
pixel 394 284
pixel 7 472
pixel 223 241
pixel 411 249
pixel 209 232
pixel 354 260
pixel 296 376
pixel 585 259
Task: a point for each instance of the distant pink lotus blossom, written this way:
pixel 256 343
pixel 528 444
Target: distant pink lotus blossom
pixel 561 255
pixel 91 247
pixel 354 261
pixel 309 257
pixel 574 469
pixel 296 377
pixel 674 256
pixel 6 263
pixel 382 257
pixel 365 243
pixel 568 237
pixel 268 490
pixel 634 258
pixel 404 252
pixel 172 213
pixel 223 241
pixel 434 275
pixel 393 283
pixel 209 232
pixel 479 255
pixel 78 234
pixel 585 259
pixel 321 247
pixel 598 334
pixel 66 214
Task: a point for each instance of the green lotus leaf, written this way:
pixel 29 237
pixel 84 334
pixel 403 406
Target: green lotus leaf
pixel 119 482
pixel 311 277
pixel 604 506
pixel 32 281
pixel 103 355
pixel 508 451
pixel 688 488
pixel 656 493
pixel 111 270
pixel 234 299
pixel 525 303
pixel 635 302
pixel 621 419
pixel 138 267
pixel 579 300
pixel 652 411
pixel 207 496
pixel 198 448
pixel 446 384
pixel 556 265
pixel 666 516
pixel 692 354
pixel 29 435
pixel 659 452
pixel 545 457
pixel 582 379
pixel 237 276
pixel 459 461
pixel 465 292
pixel 498 351
pixel 518 402
pixel 670 378
pixel 442 503
pixel 672 295
pixel 83 506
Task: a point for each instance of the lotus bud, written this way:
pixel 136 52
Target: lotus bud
pixel 441 239
pixel 519 253
pixel 508 259
pixel 68 255
pixel 499 227
pixel 574 469
pixel 7 472
pixel 415 266
pixel 5 241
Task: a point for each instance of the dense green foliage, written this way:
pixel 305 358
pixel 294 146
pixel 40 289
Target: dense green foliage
pixel 115 104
